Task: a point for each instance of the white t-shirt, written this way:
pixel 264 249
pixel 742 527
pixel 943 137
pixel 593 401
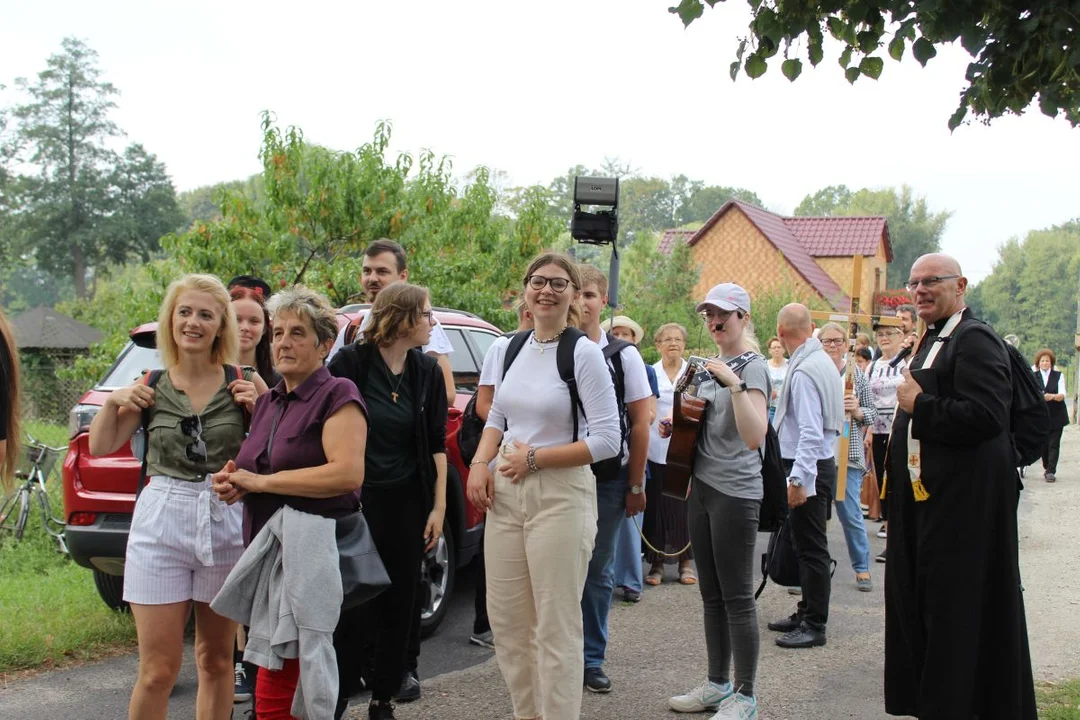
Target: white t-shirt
pixel 664 406
pixel 491 372
pixel 440 343
pixel 533 403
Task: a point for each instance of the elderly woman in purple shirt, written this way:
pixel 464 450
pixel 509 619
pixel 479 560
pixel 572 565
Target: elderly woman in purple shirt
pixel 305 449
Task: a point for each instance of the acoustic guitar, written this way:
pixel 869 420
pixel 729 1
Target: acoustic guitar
pixel 687 422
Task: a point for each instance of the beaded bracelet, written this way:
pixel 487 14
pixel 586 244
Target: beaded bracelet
pixel 530 460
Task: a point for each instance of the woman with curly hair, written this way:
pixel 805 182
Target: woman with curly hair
pixel 1053 384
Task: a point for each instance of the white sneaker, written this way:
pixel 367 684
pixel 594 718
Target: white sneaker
pixel 882 533
pixel 737 707
pixel 707 696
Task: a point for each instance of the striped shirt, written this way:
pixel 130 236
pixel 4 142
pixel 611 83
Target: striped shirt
pixel 856 457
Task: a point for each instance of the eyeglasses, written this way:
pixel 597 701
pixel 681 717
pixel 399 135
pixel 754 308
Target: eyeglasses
pixel 886 333
pixel 676 340
pixel 833 342
pixel 428 315
pixel 927 282
pixel 537 282
pixel 196 449
pixel 721 316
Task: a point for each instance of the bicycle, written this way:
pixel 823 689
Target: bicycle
pixel 40 460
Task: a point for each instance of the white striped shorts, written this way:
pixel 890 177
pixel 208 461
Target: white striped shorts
pixel 182 544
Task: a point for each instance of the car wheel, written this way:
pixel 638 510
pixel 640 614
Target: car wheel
pixel 437 572
pixel 111 590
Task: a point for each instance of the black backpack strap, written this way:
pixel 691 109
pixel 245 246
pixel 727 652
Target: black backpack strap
pixel 150 379
pixel 517 341
pixel 564 360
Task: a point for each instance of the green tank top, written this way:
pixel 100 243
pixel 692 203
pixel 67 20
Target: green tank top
pixel 173 447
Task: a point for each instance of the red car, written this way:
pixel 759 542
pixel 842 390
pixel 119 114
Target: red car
pixel 99 492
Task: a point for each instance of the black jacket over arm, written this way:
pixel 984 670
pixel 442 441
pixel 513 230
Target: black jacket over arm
pixel 428 387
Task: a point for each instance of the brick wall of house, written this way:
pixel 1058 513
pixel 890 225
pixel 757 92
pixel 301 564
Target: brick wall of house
pixel 840 269
pixel 734 250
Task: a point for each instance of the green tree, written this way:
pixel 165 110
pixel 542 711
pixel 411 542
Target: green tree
pixel 1032 290
pixel 704 200
pixel 144 206
pixel 913 228
pixel 204 203
pixel 1019 49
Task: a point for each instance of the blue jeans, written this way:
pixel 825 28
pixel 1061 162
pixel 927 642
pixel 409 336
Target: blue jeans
pixel 628 572
pixel 600 581
pixel 849 512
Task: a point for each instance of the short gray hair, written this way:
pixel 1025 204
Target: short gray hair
pixel 306 303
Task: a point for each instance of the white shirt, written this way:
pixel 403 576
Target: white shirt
pixel 802 435
pixel 439 342
pixel 491 372
pixel 664 406
pixel 1061 382
pixel 533 403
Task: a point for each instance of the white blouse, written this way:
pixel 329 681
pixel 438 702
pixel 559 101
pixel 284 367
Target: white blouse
pixel 664 404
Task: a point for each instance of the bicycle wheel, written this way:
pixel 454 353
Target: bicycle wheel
pixel 24 512
pixel 8 516
pixel 53 526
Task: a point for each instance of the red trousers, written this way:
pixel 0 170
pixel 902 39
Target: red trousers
pixel 274 690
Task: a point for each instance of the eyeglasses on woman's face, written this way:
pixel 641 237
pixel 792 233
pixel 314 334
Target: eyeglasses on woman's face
pixel 674 340
pixel 832 342
pixel 558 284
pixel 881 334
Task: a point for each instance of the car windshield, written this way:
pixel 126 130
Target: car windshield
pixel 130 366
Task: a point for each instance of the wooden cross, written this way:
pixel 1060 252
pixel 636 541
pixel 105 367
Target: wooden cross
pixel 853 318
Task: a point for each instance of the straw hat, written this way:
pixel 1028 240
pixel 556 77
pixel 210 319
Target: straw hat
pixel 623 321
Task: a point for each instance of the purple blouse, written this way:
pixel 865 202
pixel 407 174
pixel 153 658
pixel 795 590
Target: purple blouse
pixel 299 417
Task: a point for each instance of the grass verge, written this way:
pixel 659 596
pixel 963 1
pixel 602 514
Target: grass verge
pixel 1058 700
pixel 51 610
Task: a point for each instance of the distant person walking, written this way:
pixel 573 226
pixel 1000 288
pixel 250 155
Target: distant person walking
pixel 1053 384
pixel 778 365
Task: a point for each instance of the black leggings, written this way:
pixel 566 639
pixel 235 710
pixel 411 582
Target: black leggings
pixel 880 447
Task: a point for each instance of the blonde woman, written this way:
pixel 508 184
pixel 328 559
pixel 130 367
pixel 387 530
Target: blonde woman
pixel 183 540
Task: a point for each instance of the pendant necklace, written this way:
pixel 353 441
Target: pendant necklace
pixel 390 379
pixel 544 343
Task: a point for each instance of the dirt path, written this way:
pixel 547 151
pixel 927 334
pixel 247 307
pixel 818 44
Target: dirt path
pixel 656 648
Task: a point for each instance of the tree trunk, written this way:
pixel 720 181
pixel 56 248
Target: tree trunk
pixel 79 262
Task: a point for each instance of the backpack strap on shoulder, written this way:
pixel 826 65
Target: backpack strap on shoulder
pixel 149 379
pixel 235 372
pixel 517 341
pixel 564 360
pixel 351 331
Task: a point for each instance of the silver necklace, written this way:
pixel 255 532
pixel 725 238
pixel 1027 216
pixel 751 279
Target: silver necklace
pixel 544 343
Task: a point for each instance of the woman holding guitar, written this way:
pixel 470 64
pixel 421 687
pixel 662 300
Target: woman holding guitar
pixel 723 505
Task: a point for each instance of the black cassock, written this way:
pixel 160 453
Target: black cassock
pixel 956 643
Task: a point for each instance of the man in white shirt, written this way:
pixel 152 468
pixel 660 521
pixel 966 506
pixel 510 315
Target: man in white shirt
pixel 385 264
pixel 616 498
pixel 809 418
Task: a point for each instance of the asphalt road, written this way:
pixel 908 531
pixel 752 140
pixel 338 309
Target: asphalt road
pixel 102 689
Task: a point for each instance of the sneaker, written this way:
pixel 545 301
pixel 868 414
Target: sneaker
pixel 864 584
pixel 737 707
pixel 631 596
pixel 484 640
pixel 380 711
pixel 1050 477
pixel 596 681
pixel 409 690
pixel 882 533
pixel 880 558
pixel 242 689
pixel 707 696
pixel 794 591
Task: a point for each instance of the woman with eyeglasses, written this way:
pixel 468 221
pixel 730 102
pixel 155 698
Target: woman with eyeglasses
pixel 723 507
pixel 883 383
pixel 665 517
pixel 183 540
pixel 404 493
pixel 778 365
pixel 531 473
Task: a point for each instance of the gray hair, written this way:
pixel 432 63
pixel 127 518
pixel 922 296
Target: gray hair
pixel 306 303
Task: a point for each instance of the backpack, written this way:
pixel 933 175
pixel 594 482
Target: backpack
pixel 780 562
pixel 774 504
pixel 604 470
pixel 141 440
pixel 471 428
pixel 352 330
pixel 1029 420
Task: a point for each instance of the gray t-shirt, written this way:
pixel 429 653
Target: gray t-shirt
pixel 723 461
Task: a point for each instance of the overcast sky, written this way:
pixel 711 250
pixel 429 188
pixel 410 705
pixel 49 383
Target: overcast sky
pixel 535 88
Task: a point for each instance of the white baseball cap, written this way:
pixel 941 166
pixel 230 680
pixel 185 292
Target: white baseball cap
pixel 726 296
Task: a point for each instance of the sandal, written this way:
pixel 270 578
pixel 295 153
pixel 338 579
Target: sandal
pixel 687 576
pixel 655 576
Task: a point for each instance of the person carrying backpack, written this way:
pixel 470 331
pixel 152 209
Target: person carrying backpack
pixel 544 430
pixel 956 643
pixel 725 499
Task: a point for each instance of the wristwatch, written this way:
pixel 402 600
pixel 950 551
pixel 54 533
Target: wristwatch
pixel 796 482
pixel 637 489
pixel 741 387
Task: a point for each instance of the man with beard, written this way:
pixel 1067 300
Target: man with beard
pixel 956 642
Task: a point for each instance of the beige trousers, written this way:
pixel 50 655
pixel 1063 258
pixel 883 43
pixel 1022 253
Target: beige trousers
pixel 537 544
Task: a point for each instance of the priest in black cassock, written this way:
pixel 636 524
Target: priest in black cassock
pixel 956 643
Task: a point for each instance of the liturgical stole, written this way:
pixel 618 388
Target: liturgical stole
pixel 914 451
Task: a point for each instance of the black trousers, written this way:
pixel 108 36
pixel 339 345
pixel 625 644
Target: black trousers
pixel 812 546
pixel 1053 450
pixel 396 518
pixel 880 446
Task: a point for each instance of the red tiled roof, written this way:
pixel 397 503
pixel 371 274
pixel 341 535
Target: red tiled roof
pixel 670 237
pixel 840 236
pixel 772 226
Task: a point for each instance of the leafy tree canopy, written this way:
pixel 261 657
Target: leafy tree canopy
pixel 914 229
pixel 1019 50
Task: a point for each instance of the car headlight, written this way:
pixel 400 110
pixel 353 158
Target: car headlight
pixel 80 417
